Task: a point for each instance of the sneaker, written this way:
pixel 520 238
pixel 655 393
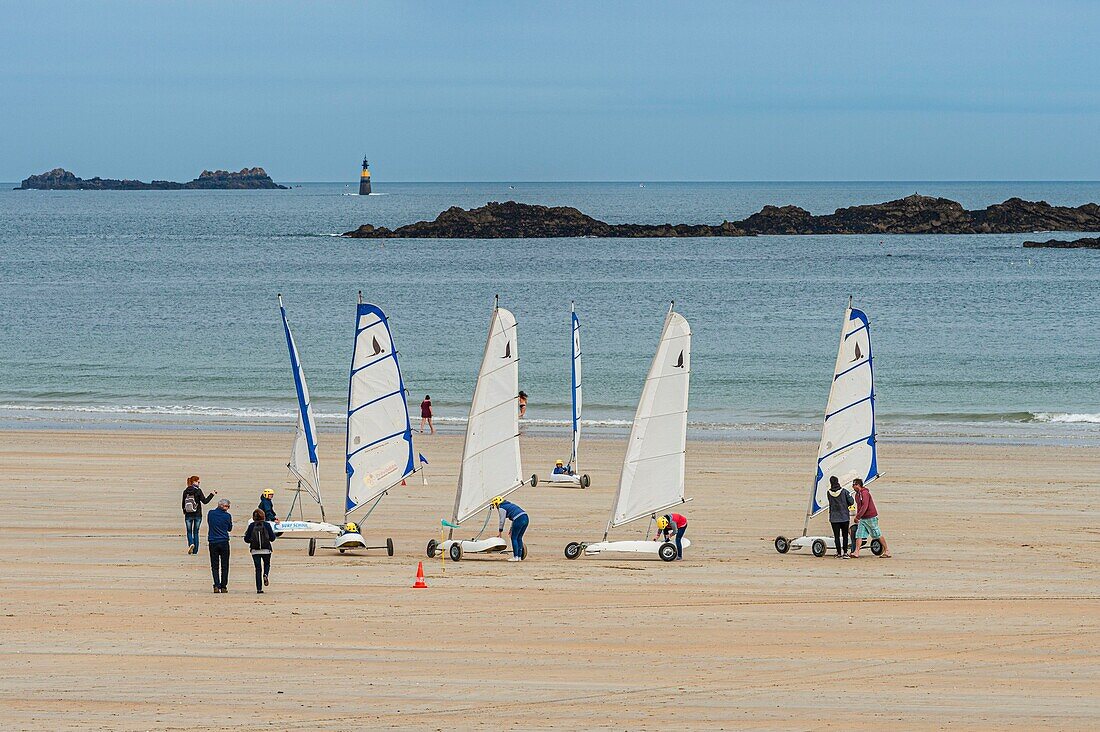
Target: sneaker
pixel 842 556
pixel 259 592
pixel 265 582
pixel 223 590
pixel 190 548
pixel 514 559
pixel 217 589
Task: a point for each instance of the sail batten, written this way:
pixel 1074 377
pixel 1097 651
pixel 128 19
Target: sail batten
pixel 379 447
pixel 848 448
pixel 658 434
pixel 490 453
pixel 303 454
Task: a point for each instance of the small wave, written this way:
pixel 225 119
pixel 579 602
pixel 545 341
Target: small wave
pixel 1066 418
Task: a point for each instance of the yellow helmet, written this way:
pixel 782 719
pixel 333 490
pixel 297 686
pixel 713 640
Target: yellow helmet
pixel 495 503
pixel 349 526
pixel 559 462
pixel 662 523
pixel 268 492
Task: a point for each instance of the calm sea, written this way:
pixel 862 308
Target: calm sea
pixel 133 308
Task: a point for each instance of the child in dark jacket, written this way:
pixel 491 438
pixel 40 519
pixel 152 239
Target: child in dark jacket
pixel 267 505
pixel 259 535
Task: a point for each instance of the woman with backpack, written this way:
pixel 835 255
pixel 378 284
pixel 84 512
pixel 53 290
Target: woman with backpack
pixel 259 536
pixel 193 501
pixel 841 508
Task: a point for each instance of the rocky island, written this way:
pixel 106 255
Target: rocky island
pixel 1087 243
pixel 60 179
pixel 914 214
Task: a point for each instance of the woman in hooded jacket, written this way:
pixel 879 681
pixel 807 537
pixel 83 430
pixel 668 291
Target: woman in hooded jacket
pixel 841 505
pixel 259 536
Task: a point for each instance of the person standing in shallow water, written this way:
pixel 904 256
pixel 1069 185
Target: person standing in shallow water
pixel 219 522
pixel 426 414
pixel 259 535
pixel 841 507
pixel 193 501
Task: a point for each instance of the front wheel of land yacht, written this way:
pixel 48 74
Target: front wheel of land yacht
pixel 342 550
pixel 818 548
pixel 534 480
pixel 389 546
pixel 667 552
pixel 524 555
pixel 432 544
pixel 585 481
pixel 456 552
pixel 312 547
pixel 573 550
pixel 876 547
pixel 782 544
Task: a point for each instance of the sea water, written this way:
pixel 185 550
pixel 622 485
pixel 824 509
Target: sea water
pixel 159 307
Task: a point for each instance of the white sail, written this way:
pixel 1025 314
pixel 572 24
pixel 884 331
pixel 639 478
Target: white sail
pixel 848 446
pixel 490 454
pixel 653 471
pixel 576 392
pixel 303 454
pixel 379 433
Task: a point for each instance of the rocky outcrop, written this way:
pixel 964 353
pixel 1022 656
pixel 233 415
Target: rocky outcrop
pixel 511 220
pixel 60 179
pixel 914 214
pixel 1093 243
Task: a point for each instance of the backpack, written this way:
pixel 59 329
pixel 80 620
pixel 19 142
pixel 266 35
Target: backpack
pixel 190 502
pixel 260 539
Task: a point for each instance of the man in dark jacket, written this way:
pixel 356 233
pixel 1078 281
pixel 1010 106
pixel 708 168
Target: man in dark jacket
pixel 193 501
pixel 840 515
pixel 220 523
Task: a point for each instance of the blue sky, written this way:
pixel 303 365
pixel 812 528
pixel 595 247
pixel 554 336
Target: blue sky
pixel 554 91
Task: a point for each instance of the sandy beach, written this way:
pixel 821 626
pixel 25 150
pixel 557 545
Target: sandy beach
pixel 987 616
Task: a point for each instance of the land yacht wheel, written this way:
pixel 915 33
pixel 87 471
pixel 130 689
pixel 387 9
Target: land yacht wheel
pixel 524 554
pixel 534 480
pixel 818 548
pixel 389 547
pixel 782 544
pixel 585 481
pixel 312 547
pixel 667 552
pixel 456 552
pixel 876 547
pixel 342 550
pixel 432 546
pixel 573 550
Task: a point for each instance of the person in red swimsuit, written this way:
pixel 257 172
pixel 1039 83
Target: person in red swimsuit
pixel 426 414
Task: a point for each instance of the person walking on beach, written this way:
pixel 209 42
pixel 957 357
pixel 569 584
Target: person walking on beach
pixel 867 518
pixel 841 507
pixel 267 505
pixel 193 501
pixel 667 525
pixel 522 404
pixel 426 414
pixel 259 536
pixel 518 517
pixel 219 522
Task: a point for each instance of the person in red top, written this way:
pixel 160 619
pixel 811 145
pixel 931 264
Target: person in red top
pixel 426 414
pixel 669 523
pixel 866 519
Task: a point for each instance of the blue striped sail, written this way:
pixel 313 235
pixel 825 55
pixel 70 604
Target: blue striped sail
pixel 303 455
pixel 379 432
pixel 848 447
pixel 575 372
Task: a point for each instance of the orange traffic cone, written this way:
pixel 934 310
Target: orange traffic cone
pixel 420 583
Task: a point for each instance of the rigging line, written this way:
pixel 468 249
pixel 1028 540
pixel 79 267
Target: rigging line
pixel 656 457
pixel 488 447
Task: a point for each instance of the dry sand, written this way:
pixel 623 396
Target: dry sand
pixel 986 617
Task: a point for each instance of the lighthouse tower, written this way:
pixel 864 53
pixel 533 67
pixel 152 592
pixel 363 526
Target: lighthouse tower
pixel 364 179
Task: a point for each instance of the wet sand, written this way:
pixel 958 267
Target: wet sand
pixel 988 616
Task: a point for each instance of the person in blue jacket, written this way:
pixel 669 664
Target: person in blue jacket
pixel 267 505
pixel 259 536
pixel 518 517
pixel 560 468
pixel 220 523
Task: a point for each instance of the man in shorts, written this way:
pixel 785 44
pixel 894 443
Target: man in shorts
pixel 866 519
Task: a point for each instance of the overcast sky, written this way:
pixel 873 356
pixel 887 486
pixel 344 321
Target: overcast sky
pixel 554 90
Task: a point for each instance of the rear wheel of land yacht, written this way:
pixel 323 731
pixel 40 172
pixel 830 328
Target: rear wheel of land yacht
pixel 312 547
pixel 782 544
pixel 667 552
pixel 456 552
pixel 818 548
pixel 389 546
pixel 572 550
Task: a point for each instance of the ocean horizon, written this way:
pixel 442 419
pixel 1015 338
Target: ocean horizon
pixel 158 308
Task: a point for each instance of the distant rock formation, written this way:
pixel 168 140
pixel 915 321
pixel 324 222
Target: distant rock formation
pixel 914 214
pixel 1093 243
pixel 60 179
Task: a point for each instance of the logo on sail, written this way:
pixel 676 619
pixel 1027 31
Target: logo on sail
pixel 680 361
pixel 859 355
pixel 508 349
pixel 377 347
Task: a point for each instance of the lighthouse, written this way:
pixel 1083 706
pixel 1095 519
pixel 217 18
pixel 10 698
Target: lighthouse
pixel 364 179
